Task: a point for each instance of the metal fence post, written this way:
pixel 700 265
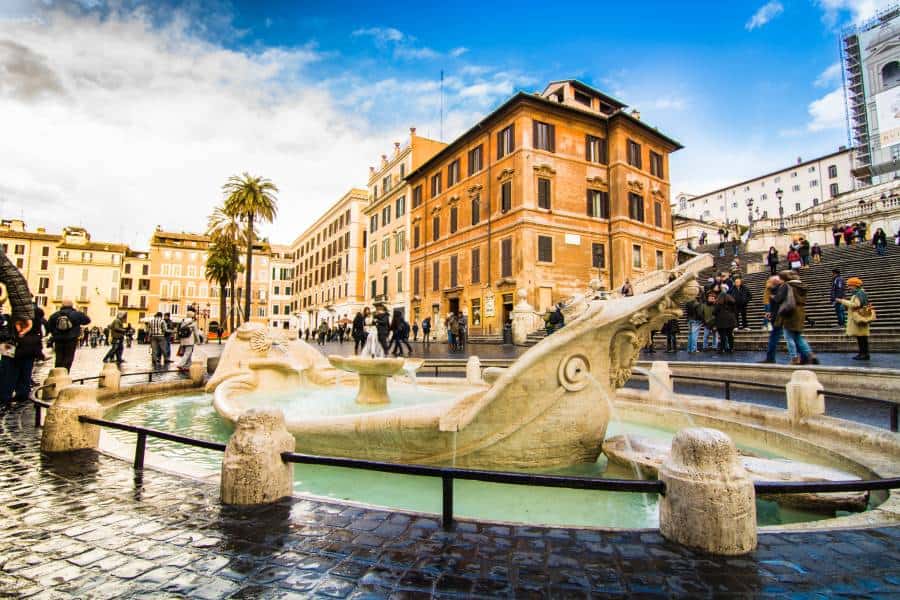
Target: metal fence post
pixel 447 497
pixel 139 449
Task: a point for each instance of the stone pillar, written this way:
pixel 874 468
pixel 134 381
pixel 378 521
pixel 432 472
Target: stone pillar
pixel 710 502
pixel 660 380
pixel 62 430
pixel 56 380
pixel 473 371
pixel 522 319
pixel 252 469
pixel 110 377
pixel 804 396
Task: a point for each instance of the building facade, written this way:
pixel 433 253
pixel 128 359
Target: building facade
pixel 387 218
pixel 281 283
pixel 546 192
pixel 89 273
pixel 803 185
pixel 329 264
pixel 34 253
pixel 871 61
pixel 135 286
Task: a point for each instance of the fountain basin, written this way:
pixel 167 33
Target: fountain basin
pixel 373 374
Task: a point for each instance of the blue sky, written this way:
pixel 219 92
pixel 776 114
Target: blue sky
pixel 178 95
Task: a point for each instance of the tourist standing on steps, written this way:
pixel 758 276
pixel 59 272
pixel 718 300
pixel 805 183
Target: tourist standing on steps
pixel 836 295
pixel 742 298
pixel 836 234
pixel 726 321
pixel 791 299
pixel 803 249
pixel 879 240
pixel 708 314
pixel 816 253
pixel 776 332
pixel 670 329
pixel 695 322
pixel 65 327
pixel 117 334
pixel 358 330
pixel 772 260
pixel 861 314
pixel 187 337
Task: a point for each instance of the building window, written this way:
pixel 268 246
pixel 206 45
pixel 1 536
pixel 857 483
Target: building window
pixel 660 262
pixel 506 141
pixel 506 196
pixel 373 223
pixel 45 251
pixel 417 196
pixel 416 281
pixel 435 276
pixel 797 206
pixel 545 248
pixel 657 214
pixel 476 159
pixel 386 184
pixel 399 282
pixel 544 136
pixel 453 173
pixel 416 239
pixel 454 263
pixel 595 149
pixel 385 248
pixel 796 188
pixel 436 228
pixel 506 258
pixel 543 192
pixel 832 171
pixel 374 288
pixel 656 165
pixel 814 183
pixel 598 256
pixel 476 210
pixel 435 184
pixel 833 189
pixel 453 219
pixel 636 256
pixel 598 204
pixel 636 207
pixel 384 286
pixel 476 265
pixel 373 254
pixel 386 215
pixel 634 154
pixel 400 206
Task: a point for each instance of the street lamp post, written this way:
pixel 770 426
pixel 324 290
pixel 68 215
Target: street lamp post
pixel 749 212
pixel 779 194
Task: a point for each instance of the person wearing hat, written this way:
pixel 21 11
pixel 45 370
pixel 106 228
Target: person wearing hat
pixel 856 326
pixel 187 337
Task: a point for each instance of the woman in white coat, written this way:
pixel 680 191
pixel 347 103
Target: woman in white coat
pixel 186 342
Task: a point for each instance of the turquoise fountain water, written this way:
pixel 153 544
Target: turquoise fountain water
pixel 192 414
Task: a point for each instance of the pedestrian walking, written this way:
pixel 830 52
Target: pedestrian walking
pixel 836 295
pixel 117 335
pixel 670 329
pixel 358 330
pixel 187 337
pixel 861 228
pixel 415 330
pixel 735 246
pixel 426 331
pixel 861 314
pixel 794 260
pixel 776 331
pixel 65 327
pixel 816 253
pixel 772 260
pixel 452 325
pixel 742 298
pixel 849 234
pixel 695 322
pixel 836 234
pixel 879 240
pixel 399 335
pixel 157 332
pixel 791 299
pixel 382 326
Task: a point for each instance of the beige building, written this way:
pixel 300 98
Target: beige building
pixel 281 288
pixel 134 296
pixel 329 264
pixel 34 253
pixel 387 219
pixel 89 273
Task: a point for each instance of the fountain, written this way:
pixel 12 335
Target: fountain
pixel 373 374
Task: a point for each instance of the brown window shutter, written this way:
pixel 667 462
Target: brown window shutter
pixel 512 137
pixel 499 144
pixel 552 132
pixel 590 204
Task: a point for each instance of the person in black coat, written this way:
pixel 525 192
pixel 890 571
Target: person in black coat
pixel 399 335
pixel 65 326
pixel 742 298
pixel 16 370
pixel 383 327
pixel 772 260
pixel 726 321
pixel 358 332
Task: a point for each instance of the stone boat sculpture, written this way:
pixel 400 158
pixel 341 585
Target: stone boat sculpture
pixel 550 408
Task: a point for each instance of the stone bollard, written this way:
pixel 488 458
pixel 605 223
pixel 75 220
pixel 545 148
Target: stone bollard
pixel 473 371
pixel 252 470
pixel 804 396
pixel 55 381
pixel 710 502
pixel 197 370
pixel 660 380
pixel 62 430
pixel 110 377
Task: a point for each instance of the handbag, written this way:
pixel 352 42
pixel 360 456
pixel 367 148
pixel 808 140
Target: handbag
pixel 789 304
pixel 864 314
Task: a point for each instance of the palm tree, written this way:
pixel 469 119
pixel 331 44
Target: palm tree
pixel 250 199
pixel 227 235
pixel 220 269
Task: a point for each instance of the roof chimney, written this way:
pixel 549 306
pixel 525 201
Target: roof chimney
pixel 396 147
pixel 412 131
pixel 636 113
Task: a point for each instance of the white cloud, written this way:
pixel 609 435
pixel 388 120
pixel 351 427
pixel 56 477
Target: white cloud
pixel 381 34
pixel 404 45
pixel 766 13
pixel 829 75
pixel 859 10
pixel 669 103
pixel 827 112
pixel 457 52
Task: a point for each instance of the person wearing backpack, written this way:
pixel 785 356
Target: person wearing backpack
pixel 65 326
pixel 187 337
pixel 860 314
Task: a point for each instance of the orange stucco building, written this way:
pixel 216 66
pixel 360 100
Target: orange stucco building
pixel 544 193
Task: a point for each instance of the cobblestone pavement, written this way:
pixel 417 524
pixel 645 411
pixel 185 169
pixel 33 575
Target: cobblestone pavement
pixel 84 525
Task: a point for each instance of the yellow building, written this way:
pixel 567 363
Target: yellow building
pixel 281 288
pixel 134 295
pixel 89 273
pixel 34 253
pixel 329 264
pixel 387 217
pixel 544 193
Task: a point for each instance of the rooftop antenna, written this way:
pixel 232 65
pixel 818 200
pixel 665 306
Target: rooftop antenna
pixel 441 138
